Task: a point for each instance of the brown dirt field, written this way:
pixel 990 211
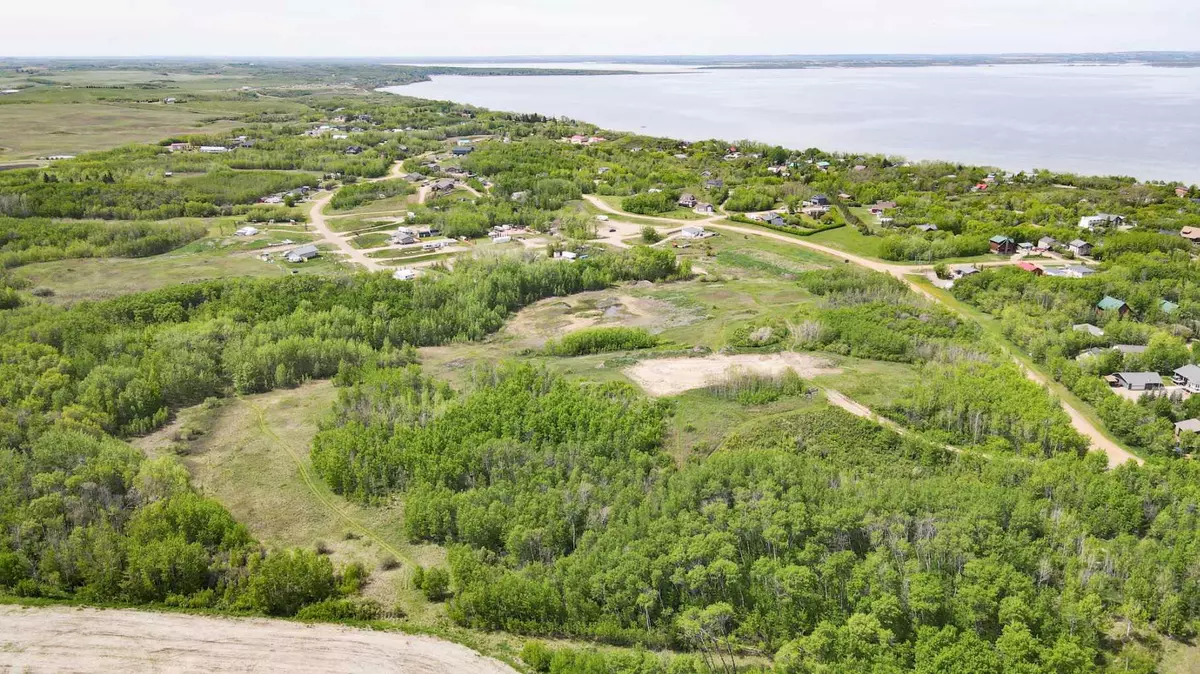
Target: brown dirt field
pixel 62 639
pixel 554 317
pixel 672 376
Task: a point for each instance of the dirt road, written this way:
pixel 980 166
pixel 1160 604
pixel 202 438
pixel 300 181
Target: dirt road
pixel 326 235
pixel 1097 439
pixel 60 639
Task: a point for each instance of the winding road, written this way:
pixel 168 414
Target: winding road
pixel 1098 440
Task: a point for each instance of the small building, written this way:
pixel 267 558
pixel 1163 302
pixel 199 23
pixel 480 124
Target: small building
pixel 246 231
pixel 1025 247
pixel 404 274
pixel 567 255
pixel 693 232
pixel 179 147
pixel 819 200
pixel 1031 268
pixel 963 270
pixel 1056 272
pixel 714 184
pixel 402 239
pixel 1190 233
pixel 463 150
pixel 1094 352
pixel 1002 244
pixel 1187 426
pixel 1181 192
pixel 1129 349
pixel 1109 304
pixel 1077 271
pixel 775 219
pixel 504 238
pixel 884 205
pixel 688 200
pixel 1080 248
pixel 1047 242
pixel 1088 328
pixel 520 196
pixel 1139 381
pixel 1168 307
pixel 302 254
pixel 1188 377
pixel 929 227
pixel 443 185
pixel 354 149
pixel 213 149
pixel 705 208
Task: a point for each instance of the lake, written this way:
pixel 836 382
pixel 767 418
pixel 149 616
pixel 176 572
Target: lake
pixel 1127 120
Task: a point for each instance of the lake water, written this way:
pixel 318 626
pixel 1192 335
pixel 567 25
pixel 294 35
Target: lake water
pixel 1126 120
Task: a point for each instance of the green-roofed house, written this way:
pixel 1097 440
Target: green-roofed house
pixel 1168 307
pixel 1112 304
pixel 1002 244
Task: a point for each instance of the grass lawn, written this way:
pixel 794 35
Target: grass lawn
pixel 676 214
pixel 397 205
pixel 371 240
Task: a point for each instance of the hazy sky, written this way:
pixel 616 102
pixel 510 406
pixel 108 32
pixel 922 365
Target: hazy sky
pixel 596 27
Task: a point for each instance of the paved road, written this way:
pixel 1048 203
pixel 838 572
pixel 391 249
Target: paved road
pixel 1099 442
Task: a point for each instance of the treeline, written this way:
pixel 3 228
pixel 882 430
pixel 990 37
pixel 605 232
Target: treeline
pixel 355 195
pixel 25 241
pixel 87 517
pixel 817 536
pixel 121 365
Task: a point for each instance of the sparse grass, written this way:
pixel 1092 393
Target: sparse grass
pixel 370 240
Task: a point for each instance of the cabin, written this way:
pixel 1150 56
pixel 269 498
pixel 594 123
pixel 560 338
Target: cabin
pixel 1047 242
pixel 1080 248
pixel 1181 192
pixel 1187 426
pixel 302 254
pixel 1168 307
pixel 1088 328
pixel 1109 304
pixel 688 200
pixel 714 184
pixel 775 219
pixel 1190 233
pixel 705 208
pixel 1094 352
pixel 1077 271
pixel 1002 244
pixel 1139 381
pixel 443 185
pixel 1031 268
pixel 926 228
pixel 963 270
pixel 1188 377
pixel 819 200
pixel 1025 247
pixel 1129 349
pixel 462 150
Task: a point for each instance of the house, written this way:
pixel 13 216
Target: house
pixel 520 196
pixel 963 270
pixel 1080 248
pixel 1002 244
pixel 1025 247
pixel 301 254
pixel 1047 242
pixel 463 142
pixel 1187 426
pixel 1129 349
pixel 705 208
pixel 884 205
pixel 462 151
pixel 1139 381
pixel 815 212
pixel 775 219
pixel 246 231
pixel 1094 352
pixel 1092 222
pixel 501 239
pixel 1077 271
pixel 1088 328
pixel 819 200
pixel 354 149
pixel 1056 272
pixel 1188 377
pixel 179 147
pixel 688 200
pixel 404 239
pixel 1111 304
pixel 567 255
pixel 1190 233
pixel 714 184
pixel 443 185
pixel 1181 192
pixel 1168 307
pixel 693 232
pixel 414 177
pixel 602 170
pixel 1031 268
pixel 404 274
pixel 213 149
pixel 926 228
pixel 845 197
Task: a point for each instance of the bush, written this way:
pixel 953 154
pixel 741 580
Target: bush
pixel 651 203
pixel 537 656
pixel 650 235
pixel 601 340
pixel 339 610
pixel 743 200
pixel 752 388
pixel 435 584
pixel 282 583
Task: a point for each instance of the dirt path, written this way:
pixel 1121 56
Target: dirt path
pixel 327 235
pixel 672 376
pixel 1097 439
pixel 62 639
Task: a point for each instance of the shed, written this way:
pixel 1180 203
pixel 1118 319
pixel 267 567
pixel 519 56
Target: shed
pixel 1080 247
pixel 1002 244
pixel 302 254
pixel 1088 328
pixel 1187 426
pixel 1108 304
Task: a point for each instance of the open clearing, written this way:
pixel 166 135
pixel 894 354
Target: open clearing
pixel 672 376
pixel 90 640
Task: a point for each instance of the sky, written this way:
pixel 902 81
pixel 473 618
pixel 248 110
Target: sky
pixel 429 28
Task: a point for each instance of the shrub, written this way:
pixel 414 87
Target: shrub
pixel 753 388
pixel 650 235
pixel 601 340
pixel 435 584
pixel 338 610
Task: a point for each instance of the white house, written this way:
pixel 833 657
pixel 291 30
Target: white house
pixel 693 232
pixel 301 254
pixel 404 274
pixel 246 231
pixel 567 255
pixel 1091 222
pixel 213 149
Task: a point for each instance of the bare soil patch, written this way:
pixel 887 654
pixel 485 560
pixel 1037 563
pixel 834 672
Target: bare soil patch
pixel 554 317
pixel 672 376
pixel 62 639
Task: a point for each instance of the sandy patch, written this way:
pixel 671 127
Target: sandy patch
pixel 64 639
pixel 672 376
pixel 554 317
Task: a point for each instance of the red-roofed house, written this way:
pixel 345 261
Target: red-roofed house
pixel 1031 268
